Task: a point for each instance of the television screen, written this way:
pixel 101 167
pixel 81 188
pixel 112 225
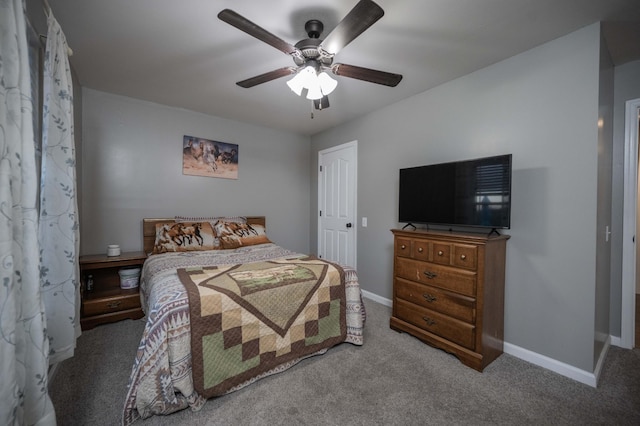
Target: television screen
pixel 465 193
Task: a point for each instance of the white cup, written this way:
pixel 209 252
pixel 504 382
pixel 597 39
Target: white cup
pixel 113 250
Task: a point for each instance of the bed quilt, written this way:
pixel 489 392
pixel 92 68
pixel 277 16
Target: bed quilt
pixel 251 317
pixel 162 377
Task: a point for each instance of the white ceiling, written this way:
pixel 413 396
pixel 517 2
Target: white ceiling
pixel 179 53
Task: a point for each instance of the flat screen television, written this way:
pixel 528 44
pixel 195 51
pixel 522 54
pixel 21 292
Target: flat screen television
pixel 474 193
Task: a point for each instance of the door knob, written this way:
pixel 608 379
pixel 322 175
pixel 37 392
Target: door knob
pixel 349 225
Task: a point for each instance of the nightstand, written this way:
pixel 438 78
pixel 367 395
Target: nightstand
pixel 106 302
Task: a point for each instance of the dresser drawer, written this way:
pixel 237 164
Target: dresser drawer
pixel 420 250
pixel 446 302
pixel 465 256
pixel 106 305
pixel 415 249
pixel 442 253
pixel 403 247
pixel 457 280
pixel 444 326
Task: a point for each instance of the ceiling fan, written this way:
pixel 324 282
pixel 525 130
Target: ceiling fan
pixel 313 56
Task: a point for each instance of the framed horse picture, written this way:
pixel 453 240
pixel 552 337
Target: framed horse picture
pixel 206 157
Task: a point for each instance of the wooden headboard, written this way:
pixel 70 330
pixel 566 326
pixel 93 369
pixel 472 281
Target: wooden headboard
pixel 149 229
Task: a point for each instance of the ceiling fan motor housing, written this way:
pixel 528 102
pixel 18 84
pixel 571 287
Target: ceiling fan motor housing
pixel 310 47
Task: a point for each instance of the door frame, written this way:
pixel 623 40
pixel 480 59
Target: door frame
pixel 630 212
pixel 351 144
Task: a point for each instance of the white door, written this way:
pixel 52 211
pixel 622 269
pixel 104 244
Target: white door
pixel 337 194
pixel 630 216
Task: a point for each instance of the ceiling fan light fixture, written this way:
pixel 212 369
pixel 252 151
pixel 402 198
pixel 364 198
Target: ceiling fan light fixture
pixel 315 91
pixel 327 84
pixel 302 80
pixel 309 76
pixel 295 84
pixel 317 85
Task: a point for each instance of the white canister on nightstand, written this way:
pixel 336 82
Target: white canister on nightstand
pixel 113 250
pixel 129 278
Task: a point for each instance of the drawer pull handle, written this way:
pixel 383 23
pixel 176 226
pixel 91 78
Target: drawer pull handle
pixel 114 305
pixel 403 247
pixel 429 321
pixel 463 256
pixel 430 275
pixel 420 249
pixel 440 253
pixel 429 298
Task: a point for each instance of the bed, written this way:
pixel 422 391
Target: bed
pixel 235 309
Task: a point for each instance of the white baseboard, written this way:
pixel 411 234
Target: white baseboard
pixel 556 366
pixel 574 373
pixel 376 298
pixel 601 359
pixel 616 341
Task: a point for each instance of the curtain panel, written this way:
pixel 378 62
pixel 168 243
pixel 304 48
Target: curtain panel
pixel 58 231
pixel 24 346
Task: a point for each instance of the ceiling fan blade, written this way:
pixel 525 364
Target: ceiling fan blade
pixel 268 76
pixel 366 74
pixel 362 16
pixel 243 24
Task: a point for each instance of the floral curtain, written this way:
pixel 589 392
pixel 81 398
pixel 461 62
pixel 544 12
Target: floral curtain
pixel 58 231
pixel 24 346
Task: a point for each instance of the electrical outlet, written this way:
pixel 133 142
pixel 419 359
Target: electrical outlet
pixel 364 222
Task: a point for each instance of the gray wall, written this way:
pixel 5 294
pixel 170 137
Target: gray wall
pixel 132 168
pixel 603 246
pixel 627 87
pixel 541 106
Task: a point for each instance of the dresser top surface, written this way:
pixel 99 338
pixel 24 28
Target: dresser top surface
pixel 451 235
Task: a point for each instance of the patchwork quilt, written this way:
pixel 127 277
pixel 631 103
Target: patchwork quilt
pixel 323 308
pixel 248 318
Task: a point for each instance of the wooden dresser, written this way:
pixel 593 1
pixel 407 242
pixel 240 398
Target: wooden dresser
pixel 448 291
pixel 106 302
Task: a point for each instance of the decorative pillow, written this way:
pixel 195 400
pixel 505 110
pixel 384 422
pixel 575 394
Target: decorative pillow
pixel 212 219
pixel 233 234
pixel 184 236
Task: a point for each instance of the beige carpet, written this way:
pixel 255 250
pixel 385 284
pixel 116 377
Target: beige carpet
pixel 393 379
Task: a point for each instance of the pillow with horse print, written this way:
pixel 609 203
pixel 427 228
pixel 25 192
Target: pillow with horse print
pixel 184 236
pixel 233 234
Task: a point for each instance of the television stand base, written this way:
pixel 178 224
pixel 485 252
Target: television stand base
pixel 409 224
pixel 494 231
